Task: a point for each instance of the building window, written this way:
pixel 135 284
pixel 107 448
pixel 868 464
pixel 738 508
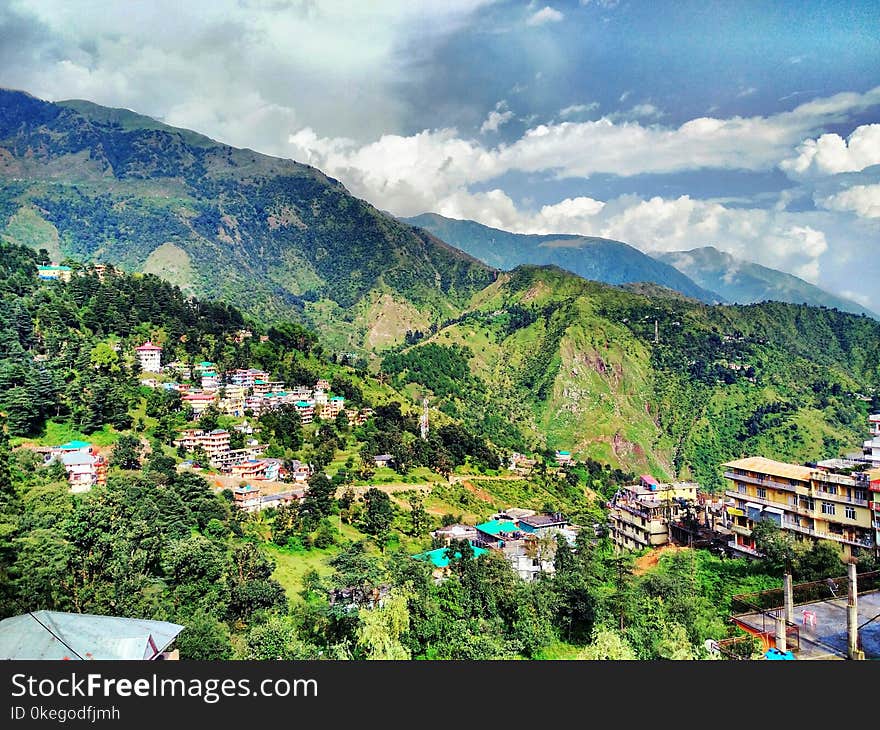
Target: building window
pixel 741 488
pixel 808 504
pixel 827 508
pixel 762 493
pixel 829 488
pixel 860 494
pixel 850 512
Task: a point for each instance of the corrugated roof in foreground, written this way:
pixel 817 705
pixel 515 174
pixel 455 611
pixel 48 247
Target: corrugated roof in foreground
pixel 58 635
pixel 768 466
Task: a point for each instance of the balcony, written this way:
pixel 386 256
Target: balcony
pixel 740 530
pixel 764 482
pixel 860 542
pixel 733 544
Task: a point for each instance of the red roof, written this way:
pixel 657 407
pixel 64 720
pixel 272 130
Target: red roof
pixel 148 345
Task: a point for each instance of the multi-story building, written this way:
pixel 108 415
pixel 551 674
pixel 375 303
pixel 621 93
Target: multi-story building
pixel 811 502
pixel 84 466
pixel 871 447
pixel 54 271
pixel 247 497
pixel 246 378
pixel 210 380
pixel 639 515
pixel 306 410
pixel 150 357
pixel 333 408
pixel 232 400
pixel 214 443
pixel 198 401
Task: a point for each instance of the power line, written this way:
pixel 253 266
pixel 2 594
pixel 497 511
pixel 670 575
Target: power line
pixel 30 613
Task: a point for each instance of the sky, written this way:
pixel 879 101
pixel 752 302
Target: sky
pixel 750 126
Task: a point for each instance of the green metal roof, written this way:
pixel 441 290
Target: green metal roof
pixel 440 559
pixel 496 527
pixel 75 636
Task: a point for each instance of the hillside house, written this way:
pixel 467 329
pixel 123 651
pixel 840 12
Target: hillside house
pixel 84 466
pixel 198 401
pixel 381 460
pixel 247 497
pixel 541 525
pixel 150 357
pixel 54 272
pixel 494 533
pixel 306 410
pixel 440 559
pixel 456 532
pixel 564 457
pixel 640 515
pixel 322 384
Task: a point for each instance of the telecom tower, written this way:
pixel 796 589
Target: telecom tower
pixel 423 423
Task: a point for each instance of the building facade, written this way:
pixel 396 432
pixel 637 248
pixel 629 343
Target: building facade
pixel 811 502
pixel 150 357
pixel 639 515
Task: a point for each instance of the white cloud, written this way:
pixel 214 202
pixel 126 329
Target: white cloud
pixel 831 154
pixel 498 116
pixel 575 109
pixel 545 15
pixel 776 239
pixel 863 200
pixel 748 91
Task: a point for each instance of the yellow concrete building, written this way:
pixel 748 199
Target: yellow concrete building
pixel 639 514
pixel 811 502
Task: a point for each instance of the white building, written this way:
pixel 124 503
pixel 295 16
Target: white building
pixel 871 447
pixel 150 357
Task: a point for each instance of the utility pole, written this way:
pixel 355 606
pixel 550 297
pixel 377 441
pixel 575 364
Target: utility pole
pixel 656 332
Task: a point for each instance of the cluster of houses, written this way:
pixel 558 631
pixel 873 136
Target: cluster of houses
pixel 84 466
pixel 250 497
pixel 247 463
pixel 835 499
pixel 244 390
pixel 525 538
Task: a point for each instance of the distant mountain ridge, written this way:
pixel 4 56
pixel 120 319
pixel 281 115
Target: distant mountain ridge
pixel 745 282
pixel 597 259
pixel 273 236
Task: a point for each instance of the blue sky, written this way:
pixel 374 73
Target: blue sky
pixel 751 126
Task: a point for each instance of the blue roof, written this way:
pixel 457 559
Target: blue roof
pixel 440 558
pixel 75 445
pixel 496 527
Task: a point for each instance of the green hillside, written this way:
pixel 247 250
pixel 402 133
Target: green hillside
pixel 557 362
pixel 272 236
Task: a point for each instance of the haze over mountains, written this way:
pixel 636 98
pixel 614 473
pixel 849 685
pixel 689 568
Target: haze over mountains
pixel 707 274
pixel 598 259
pixel 745 282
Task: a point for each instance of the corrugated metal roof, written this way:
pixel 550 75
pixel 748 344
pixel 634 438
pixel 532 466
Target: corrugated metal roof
pixel 75 636
pixel 761 465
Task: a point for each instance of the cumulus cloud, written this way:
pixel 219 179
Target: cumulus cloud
pixel 246 72
pixel 545 15
pixel 863 200
pixel 776 239
pixel 498 116
pixel 831 154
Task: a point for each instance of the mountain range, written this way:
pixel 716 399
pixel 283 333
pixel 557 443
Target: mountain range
pixel 639 371
pixel 599 259
pixel 706 274
pixel 272 235
pixel 744 282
